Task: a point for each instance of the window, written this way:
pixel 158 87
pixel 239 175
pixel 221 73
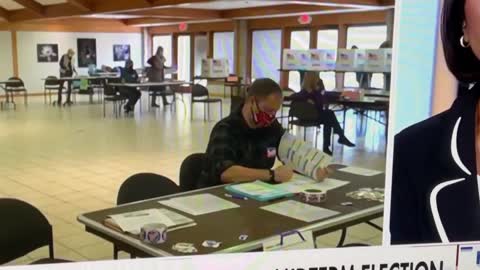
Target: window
pixel 328 39
pixel 201 44
pixel 266 54
pixel 365 37
pixel 299 40
pixel 166 42
pixel 223 47
pixel 183 58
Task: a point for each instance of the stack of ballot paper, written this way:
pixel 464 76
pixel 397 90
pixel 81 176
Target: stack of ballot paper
pixel 132 222
pixel 301 183
pixel 199 204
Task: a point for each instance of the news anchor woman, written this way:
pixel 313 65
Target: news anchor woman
pixel 435 184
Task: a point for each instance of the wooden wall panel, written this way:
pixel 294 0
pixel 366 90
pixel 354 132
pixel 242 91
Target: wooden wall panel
pixel 73 25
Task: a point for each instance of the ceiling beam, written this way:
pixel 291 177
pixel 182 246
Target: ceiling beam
pixel 343 3
pixel 32 5
pixel 148 21
pixel 180 13
pixel 83 5
pixel 275 10
pixel 99 6
pixel 4 14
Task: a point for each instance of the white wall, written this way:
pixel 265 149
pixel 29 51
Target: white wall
pixel 32 72
pixel 6 61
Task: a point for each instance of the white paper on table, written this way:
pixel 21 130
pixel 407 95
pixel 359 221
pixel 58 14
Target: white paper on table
pixel 299 184
pixel 300 211
pixel 199 204
pixel 290 242
pixel 132 222
pixel 360 171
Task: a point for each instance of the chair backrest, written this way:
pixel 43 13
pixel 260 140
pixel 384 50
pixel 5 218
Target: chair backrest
pixel 199 91
pixel 17 83
pixel 145 186
pixel 303 110
pixel 23 229
pixel 190 171
pixel 110 90
pixel 52 81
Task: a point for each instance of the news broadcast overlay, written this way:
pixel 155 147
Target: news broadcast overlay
pixel 358 258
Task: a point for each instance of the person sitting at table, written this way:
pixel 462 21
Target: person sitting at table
pixel 243 146
pixel 156 73
pixel 66 70
pixel 312 91
pixel 129 75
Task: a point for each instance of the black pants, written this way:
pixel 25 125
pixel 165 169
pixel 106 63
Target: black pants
pixel 330 122
pixel 159 90
pixel 133 95
pixel 69 88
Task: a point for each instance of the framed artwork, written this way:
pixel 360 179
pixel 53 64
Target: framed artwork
pixel 121 52
pixel 87 52
pixel 47 53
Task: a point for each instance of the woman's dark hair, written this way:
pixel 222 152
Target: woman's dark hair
pixel 462 62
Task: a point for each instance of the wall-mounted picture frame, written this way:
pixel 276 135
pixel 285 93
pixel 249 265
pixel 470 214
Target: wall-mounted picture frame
pixel 47 53
pixel 87 52
pixel 121 52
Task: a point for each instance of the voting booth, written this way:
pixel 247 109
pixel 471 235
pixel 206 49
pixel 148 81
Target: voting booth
pixel 322 59
pixel 379 60
pixel 351 60
pixel 215 68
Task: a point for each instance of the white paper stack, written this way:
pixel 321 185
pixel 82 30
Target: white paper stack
pixel 200 204
pixel 300 211
pixel 132 222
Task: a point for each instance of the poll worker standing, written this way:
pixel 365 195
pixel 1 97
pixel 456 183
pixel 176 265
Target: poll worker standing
pixel 129 75
pixel 156 73
pixel 243 147
pixel 67 69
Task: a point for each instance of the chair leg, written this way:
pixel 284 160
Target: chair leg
pixel 221 110
pixel 305 133
pixel 204 112
pixel 115 252
pixel 51 250
pixel 25 97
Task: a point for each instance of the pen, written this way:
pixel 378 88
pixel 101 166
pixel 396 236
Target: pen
pixel 236 197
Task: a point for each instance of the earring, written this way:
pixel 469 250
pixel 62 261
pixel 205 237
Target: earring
pixel 463 43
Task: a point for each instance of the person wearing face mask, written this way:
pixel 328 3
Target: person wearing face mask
pixel 312 91
pixel 156 73
pixel 435 195
pixel 243 146
pixel 66 70
pixel 129 75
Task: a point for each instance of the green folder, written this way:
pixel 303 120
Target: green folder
pixel 258 190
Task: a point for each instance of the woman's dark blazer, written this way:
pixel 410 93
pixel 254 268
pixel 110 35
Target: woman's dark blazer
pixel 435 189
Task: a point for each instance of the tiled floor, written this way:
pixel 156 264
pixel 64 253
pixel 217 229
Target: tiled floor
pixel 72 160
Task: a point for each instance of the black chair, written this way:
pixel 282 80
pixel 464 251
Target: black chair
pixel 14 88
pixel 23 229
pixel 52 84
pixel 286 100
pixel 141 187
pixel 112 95
pixel 190 171
pixel 200 95
pixel 304 114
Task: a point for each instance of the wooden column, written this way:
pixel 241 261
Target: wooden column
pixel 342 43
pixel 192 56
pixel 389 21
pixel 313 38
pixel 174 53
pixel 240 48
pixel 210 44
pixel 248 76
pixel 15 54
pixel 285 45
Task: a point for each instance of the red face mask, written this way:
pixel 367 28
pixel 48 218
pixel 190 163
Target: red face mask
pixel 261 118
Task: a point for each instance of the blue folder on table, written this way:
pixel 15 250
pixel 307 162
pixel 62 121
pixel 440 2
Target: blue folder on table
pixel 259 191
